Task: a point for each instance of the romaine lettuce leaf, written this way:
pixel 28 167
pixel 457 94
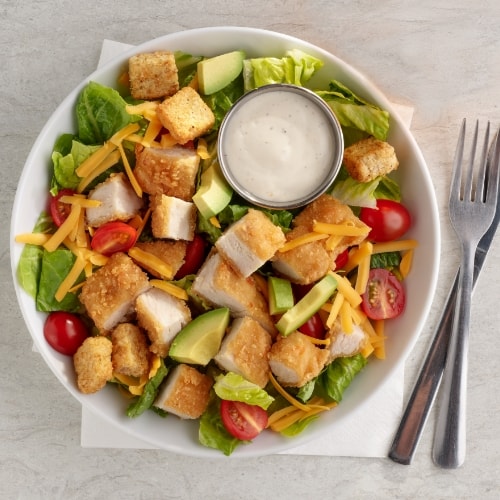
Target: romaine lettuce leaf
pixel 55 267
pixel 295 67
pixel 339 374
pixel 30 263
pixel 354 112
pixel 100 112
pixel 234 387
pixel 212 432
pixel 186 67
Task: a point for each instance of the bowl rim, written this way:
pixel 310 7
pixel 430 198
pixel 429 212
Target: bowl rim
pixel 359 84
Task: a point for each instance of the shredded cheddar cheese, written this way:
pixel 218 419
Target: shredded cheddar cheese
pixel 170 288
pixel 302 240
pixel 70 279
pixel 151 261
pixel 64 229
pixel 394 246
pixel 38 239
pixel 340 229
pixel 108 162
pixel 346 289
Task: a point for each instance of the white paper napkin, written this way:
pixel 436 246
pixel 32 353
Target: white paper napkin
pixel 355 437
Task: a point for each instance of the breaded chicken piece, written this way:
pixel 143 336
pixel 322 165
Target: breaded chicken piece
pixel 295 360
pixel 344 344
pixel 172 218
pixel 185 393
pixel 186 115
pixel 244 351
pixel 130 354
pixel 118 201
pixel 220 285
pixel 172 253
pixel 250 242
pixel 307 263
pixel 370 158
pixel 153 75
pixel 109 294
pixel 171 171
pixel 162 316
pixel 93 366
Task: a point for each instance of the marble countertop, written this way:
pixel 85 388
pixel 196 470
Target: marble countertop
pixel 441 59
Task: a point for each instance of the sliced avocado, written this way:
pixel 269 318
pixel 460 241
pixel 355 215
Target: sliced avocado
pixel 218 72
pixel 199 341
pixel 307 306
pixel 214 192
pixel 280 295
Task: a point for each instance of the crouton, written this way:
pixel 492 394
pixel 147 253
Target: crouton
pixel 307 263
pixel 153 75
pixel 172 218
pixel 93 366
pixel 109 294
pixel 344 344
pixel 244 351
pixel 185 393
pixel 130 354
pixel 250 242
pixel 118 201
pixel 220 285
pixel 185 115
pixel 370 158
pixel 170 171
pixel 295 360
pixel 162 316
pixel 172 253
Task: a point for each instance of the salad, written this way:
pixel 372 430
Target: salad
pixel 158 279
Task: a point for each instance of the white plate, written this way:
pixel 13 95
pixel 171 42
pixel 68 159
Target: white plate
pixel 418 194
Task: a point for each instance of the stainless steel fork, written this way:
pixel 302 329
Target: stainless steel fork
pixel 472 206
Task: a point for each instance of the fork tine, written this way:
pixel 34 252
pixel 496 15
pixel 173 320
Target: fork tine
pixel 467 193
pixel 457 163
pixel 483 173
pixel 492 179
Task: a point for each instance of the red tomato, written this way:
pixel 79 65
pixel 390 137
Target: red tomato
pixel 389 221
pixel 64 332
pixel 113 237
pixel 342 259
pixel 59 211
pixel 241 420
pixel 384 297
pixel 313 327
pixel 195 255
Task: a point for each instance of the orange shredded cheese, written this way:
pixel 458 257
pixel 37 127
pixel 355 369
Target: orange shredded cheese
pixel 288 397
pixel 94 160
pixel 70 278
pixel 302 240
pixel 346 289
pixel 151 261
pixel 100 168
pixel 142 108
pixel 335 309
pixel 64 229
pixel 80 200
pixel 170 288
pixel 364 268
pixel 406 262
pixel 202 149
pixel 154 128
pixel 214 221
pixel 346 317
pixel 340 229
pixel 130 174
pixel 395 246
pixel 38 239
pixel 122 134
pixel 167 141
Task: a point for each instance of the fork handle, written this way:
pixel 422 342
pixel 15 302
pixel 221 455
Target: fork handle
pixel 449 437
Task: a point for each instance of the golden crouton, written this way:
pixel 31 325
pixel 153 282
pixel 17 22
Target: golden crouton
pixel 170 171
pixel 370 158
pixel 185 115
pixel 109 294
pixel 172 253
pixel 186 392
pixel 153 75
pixel 172 218
pixel 244 351
pixel 130 354
pixel 295 360
pixel 93 364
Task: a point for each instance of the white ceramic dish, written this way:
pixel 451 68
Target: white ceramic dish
pixel 180 436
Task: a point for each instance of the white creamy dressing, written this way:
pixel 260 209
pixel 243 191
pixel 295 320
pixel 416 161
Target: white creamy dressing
pixel 279 146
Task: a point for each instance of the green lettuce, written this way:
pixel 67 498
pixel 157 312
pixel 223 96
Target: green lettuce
pixel 186 67
pixel 100 112
pixel 354 112
pixel 220 102
pixel 54 269
pixel 338 375
pixel 29 267
pixel 234 387
pixel 295 67
pixel 212 433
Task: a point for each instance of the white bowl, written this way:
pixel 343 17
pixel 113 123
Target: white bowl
pixel 418 194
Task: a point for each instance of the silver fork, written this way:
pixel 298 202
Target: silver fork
pixel 472 207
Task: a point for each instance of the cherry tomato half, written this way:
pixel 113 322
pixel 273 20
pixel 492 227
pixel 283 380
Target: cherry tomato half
pixel 389 221
pixel 59 211
pixel 65 332
pixel 313 327
pixel 195 255
pixel 384 297
pixel 113 237
pixel 241 420
pixel 342 259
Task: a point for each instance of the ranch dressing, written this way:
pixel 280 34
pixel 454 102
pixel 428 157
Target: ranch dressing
pixel 279 147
